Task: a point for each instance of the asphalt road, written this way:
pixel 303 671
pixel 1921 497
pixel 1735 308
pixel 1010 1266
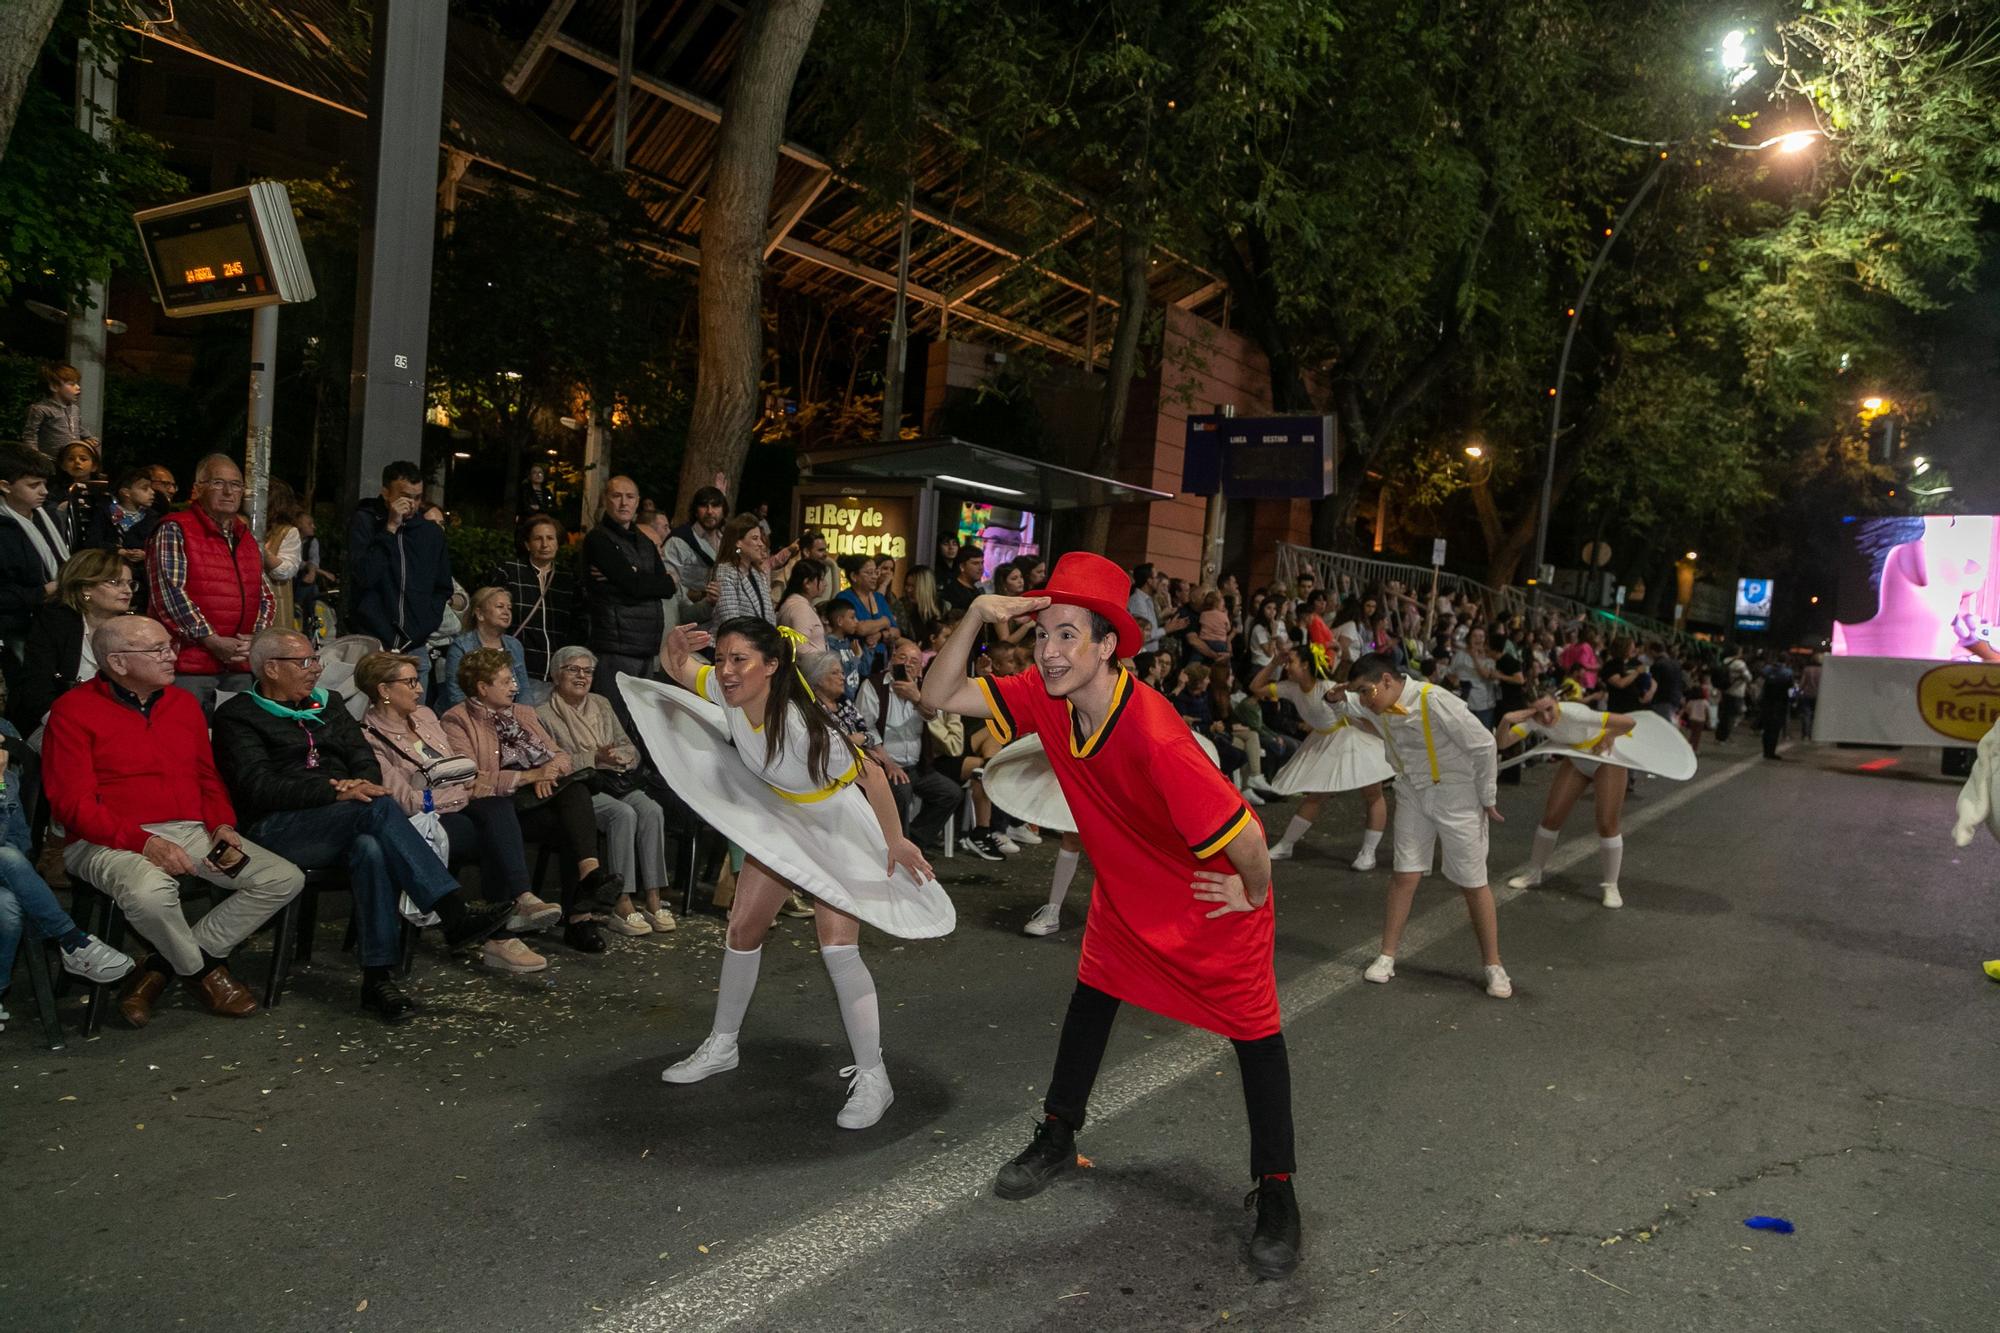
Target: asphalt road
pixel 1786 1019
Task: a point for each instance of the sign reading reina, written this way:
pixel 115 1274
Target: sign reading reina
pixel 861 529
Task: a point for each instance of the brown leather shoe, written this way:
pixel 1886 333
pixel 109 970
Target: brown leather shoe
pixel 142 992
pixel 223 994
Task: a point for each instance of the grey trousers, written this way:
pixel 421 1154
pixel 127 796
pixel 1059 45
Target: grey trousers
pixel 635 839
pixel 150 898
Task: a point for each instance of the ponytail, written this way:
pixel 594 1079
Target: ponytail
pixel 792 697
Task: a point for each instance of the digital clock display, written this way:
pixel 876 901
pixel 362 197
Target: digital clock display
pixel 210 258
pixel 230 251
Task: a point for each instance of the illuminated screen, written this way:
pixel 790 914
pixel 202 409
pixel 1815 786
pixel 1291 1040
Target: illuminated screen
pixel 1918 587
pixel 207 256
pixel 1000 533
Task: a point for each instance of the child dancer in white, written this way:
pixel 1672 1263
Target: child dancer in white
pixel 1583 730
pixel 1337 757
pixel 1445 794
pixel 773 773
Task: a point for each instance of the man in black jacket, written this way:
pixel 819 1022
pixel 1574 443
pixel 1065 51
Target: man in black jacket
pixel 398 570
pixel 624 582
pixel 302 777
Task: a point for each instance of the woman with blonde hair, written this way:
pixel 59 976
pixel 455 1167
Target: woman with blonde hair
pixel 283 552
pixel 92 587
pixel 492 617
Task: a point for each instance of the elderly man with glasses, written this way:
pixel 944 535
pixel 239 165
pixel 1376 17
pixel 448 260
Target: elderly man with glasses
pixel 205 571
pixel 307 780
pixel 131 779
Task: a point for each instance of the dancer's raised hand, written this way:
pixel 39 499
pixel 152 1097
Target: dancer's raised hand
pixel 1212 887
pixel 997 610
pixel 904 853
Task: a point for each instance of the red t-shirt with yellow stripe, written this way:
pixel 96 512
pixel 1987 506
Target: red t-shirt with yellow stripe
pixel 1152 809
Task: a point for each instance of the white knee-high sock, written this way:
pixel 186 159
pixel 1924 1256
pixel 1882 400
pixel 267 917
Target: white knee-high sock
pixel 1611 856
pixel 860 1013
pixel 1370 841
pixel 1544 848
pixel 1059 883
pixel 1295 830
pixel 733 991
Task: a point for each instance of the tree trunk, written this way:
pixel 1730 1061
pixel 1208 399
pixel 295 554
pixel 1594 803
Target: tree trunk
pixel 734 216
pixel 1505 559
pixel 24 26
pixel 1134 253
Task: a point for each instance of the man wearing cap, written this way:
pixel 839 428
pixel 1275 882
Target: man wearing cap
pixel 1181 920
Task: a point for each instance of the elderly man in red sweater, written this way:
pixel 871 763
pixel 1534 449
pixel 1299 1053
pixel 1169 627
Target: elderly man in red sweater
pixel 132 780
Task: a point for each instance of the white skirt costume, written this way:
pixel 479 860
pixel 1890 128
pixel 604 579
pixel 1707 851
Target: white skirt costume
pixel 823 839
pixel 1338 756
pixel 1019 780
pixel 1654 745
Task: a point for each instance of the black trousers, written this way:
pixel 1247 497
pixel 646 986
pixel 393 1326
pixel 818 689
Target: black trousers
pixel 940 797
pixel 567 820
pixel 1266 1070
pixel 490 828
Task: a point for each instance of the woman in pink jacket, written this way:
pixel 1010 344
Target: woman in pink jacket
pixel 517 759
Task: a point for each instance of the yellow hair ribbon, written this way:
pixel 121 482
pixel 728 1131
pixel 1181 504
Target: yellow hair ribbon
pixel 1322 664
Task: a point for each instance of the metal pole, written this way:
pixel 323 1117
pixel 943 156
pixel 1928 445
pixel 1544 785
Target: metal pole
pixel 392 306
pixel 899 332
pixel 257 440
pixel 96 107
pixel 628 20
pixel 1562 365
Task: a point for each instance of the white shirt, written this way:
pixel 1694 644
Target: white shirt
pixel 902 727
pixel 1578 726
pixel 1478 689
pixel 1450 749
pixel 1140 604
pixel 789 771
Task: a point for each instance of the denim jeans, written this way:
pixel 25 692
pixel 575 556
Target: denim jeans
pixel 384 855
pixel 24 894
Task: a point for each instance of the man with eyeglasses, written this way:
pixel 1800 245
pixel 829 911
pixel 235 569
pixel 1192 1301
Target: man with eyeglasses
pixel 205 570
pixel 131 779
pixel 306 779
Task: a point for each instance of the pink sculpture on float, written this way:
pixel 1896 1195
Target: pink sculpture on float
pixel 1936 600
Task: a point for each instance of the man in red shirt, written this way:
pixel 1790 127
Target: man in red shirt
pixel 132 780
pixel 1155 815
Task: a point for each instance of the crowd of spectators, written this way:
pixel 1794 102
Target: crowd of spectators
pixel 176 712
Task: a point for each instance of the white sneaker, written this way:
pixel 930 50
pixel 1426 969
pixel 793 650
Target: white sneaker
pixel 1251 798
pixel 1381 969
pixel 1611 898
pixel 868 1096
pixel 1006 844
pixel 96 961
pixel 715 1055
pixel 1497 983
pixel 1026 836
pixel 1365 861
pixel 632 923
pixel 1527 879
pixel 1281 852
pixel 1047 920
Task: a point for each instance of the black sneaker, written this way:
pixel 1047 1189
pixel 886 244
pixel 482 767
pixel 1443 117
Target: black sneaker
pixel 1275 1244
pixel 1052 1153
pixel 601 889
pixel 982 846
pixel 386 1000
pixel 476 927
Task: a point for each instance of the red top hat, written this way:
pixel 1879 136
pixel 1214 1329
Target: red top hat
pixel 1095 584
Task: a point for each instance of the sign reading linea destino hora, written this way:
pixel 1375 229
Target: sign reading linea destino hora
pixel 1259 457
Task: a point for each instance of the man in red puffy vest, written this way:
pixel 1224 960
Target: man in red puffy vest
pixel 206 571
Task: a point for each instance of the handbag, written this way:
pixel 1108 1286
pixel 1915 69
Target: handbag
pixel 450 770
pixel 613 782
pixel 525 798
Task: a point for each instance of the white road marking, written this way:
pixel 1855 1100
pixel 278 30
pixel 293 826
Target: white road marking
pixel 806 1253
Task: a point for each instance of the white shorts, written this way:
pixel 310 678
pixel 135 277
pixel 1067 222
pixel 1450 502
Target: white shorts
pixel 1447 816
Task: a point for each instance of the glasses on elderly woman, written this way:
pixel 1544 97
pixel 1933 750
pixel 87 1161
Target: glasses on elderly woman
pixel 577 669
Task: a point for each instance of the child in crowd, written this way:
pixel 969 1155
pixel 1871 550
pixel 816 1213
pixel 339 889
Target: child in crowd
pixel 1694 711
pixel 840 620
pixel 126 524
pixel 1213 623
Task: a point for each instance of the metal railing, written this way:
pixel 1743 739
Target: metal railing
pixel 1327 567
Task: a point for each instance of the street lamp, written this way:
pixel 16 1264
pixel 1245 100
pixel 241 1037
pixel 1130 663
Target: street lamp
pixel 1693 556
pixel 1475 451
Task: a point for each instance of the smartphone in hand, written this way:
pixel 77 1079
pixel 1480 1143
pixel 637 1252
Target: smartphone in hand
pixel 228 859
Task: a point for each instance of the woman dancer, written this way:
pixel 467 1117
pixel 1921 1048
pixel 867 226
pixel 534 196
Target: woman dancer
pixel 1337 757
pixel 810 812
pixel 1582 728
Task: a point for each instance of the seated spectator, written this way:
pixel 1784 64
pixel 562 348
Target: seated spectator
pixel 205 572
pixel 131 779
pixel 492 615
pixel 417 769
pixel 548 610
pixel 875 620
pixel 93 588
pixel 25 894
pixel 741 582
pixel 1191 701
pixel 1209 639
pixel 517 759
pixel 798 605
pixel 888 704
pixel 307 781
pixel 32 549
pixel 959 759
pixel 126 524
pixel 1222 698
pixel 632 821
